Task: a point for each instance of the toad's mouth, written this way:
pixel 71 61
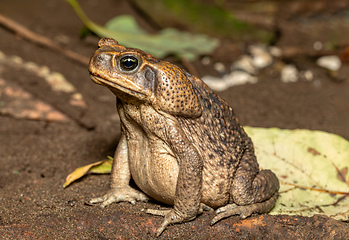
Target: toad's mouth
pixel 132 88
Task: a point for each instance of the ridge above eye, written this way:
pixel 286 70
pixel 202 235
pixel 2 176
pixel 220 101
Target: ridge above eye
pixel 128 63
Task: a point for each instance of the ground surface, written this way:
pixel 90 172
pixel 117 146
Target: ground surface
pixel 36 156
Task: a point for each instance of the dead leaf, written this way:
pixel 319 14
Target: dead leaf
pixel 307 164
pixel 100 167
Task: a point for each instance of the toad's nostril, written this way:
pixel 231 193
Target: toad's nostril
pixel 99 58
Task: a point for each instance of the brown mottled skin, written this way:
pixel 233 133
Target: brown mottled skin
pixel 181 143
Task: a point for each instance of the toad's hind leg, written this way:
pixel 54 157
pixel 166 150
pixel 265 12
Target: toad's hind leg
pixel 244 211
pixel 252 191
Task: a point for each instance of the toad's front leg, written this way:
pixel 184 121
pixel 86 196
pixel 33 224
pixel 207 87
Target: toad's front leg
pixel 189 182
pixel 120 191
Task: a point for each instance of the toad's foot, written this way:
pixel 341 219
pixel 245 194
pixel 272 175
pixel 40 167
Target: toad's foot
pixel 121 194
pixel 172 217
pixel 244 211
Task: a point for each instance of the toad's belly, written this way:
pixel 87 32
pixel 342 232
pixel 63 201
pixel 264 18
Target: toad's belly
pixel 153 168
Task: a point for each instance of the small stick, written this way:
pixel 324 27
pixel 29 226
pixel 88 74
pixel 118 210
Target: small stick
pixel 40 40
pixel 293 51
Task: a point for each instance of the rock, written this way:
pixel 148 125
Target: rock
pixel 289 73
pixel 332 63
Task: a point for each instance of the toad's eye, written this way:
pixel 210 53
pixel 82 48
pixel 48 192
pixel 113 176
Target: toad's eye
pixel 128 63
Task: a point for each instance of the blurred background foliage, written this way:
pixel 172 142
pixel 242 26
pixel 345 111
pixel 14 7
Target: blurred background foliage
pixel 206 17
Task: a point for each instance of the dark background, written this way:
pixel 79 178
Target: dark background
pixel 36 156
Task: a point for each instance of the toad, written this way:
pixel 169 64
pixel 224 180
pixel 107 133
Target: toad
pixel 180 142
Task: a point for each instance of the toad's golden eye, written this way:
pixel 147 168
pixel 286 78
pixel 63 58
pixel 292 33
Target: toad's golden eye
pixel 128 63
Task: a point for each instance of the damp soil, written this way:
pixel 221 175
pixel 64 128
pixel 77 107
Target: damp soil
pixel 36 156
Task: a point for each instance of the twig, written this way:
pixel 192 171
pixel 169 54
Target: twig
pixel 40 40
pixel 293 51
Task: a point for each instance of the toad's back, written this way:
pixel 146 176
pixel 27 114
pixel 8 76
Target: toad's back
pixel 220 140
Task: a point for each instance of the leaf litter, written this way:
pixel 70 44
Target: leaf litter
pixel 312 167
pixel 101 167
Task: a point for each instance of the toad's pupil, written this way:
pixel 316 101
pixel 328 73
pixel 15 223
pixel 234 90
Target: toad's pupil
pixel 128 63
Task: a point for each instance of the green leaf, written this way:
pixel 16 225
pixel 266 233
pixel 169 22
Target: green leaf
pixel 124 23
pixel 312 167
pixel 208 17
pixel 168 41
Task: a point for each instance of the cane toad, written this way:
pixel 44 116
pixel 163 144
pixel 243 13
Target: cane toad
pixel 181 143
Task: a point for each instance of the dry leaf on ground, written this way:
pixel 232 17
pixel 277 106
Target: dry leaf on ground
pixel 100 167
pixel 312 167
